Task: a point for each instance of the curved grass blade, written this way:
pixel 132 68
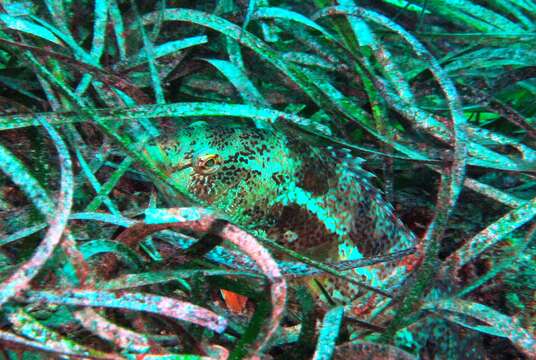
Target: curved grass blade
pixel 288 15
pixel 51 239
pixel 498 323
pixel 527 154
pixel 58 13
pixel 20 86
pixel 316 44
pixel 19 280
pixel 29 27
pixel 493 193
pixel 108 78
pixel 459 122
pixel 240 81
pixel 257 252
pixel 471 15
pixel 82 276
pixel 307 59
pixel 120 336
pixel 492 234
pixel 130 146
pixel 506 263
pixel 21 176
pixel 407 5
pixel 99 28
pixel 21 234
pixel 474 149
pixel 158 277
pixel 31 328
pixel 79 52
pixel 169 357
pixel 235 53
pixel 155 304
pixel 252 5
pixel 96 247
pixel 55 349
pixel 237 76
pixel 159 51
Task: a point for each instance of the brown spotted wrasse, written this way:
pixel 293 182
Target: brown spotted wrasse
pixel 306 197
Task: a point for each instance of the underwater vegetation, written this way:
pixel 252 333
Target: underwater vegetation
pixel 262 179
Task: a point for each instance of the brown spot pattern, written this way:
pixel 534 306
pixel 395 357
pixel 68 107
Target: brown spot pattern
pixel 306 225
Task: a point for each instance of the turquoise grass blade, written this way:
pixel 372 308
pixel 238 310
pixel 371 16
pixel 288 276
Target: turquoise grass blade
pixel 98 41
pixel 79 52
pixel 21 234
pixel 331 325
pixel 252 5
pixel 126 254
pixel 29 27
pixel 105 189
pixel 472 15
pixel 288 15
pixel 240 81
pixel 159 51
pixel 95 183
pixel 149 53
pixel 119 29
pixel 99 28
pixel 103 217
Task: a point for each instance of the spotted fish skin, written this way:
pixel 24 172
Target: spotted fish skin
pixel 276 183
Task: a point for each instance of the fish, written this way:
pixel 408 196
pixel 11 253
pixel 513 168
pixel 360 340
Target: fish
pixel 275 182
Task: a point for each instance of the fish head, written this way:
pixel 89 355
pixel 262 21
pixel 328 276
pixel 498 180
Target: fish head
pixel 230 166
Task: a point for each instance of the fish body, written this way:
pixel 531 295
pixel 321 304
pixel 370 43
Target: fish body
pixel 275 183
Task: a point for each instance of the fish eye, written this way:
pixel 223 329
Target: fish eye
pixel 207 164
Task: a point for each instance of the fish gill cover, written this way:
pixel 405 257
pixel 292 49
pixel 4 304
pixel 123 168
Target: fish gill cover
pixel 229 179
